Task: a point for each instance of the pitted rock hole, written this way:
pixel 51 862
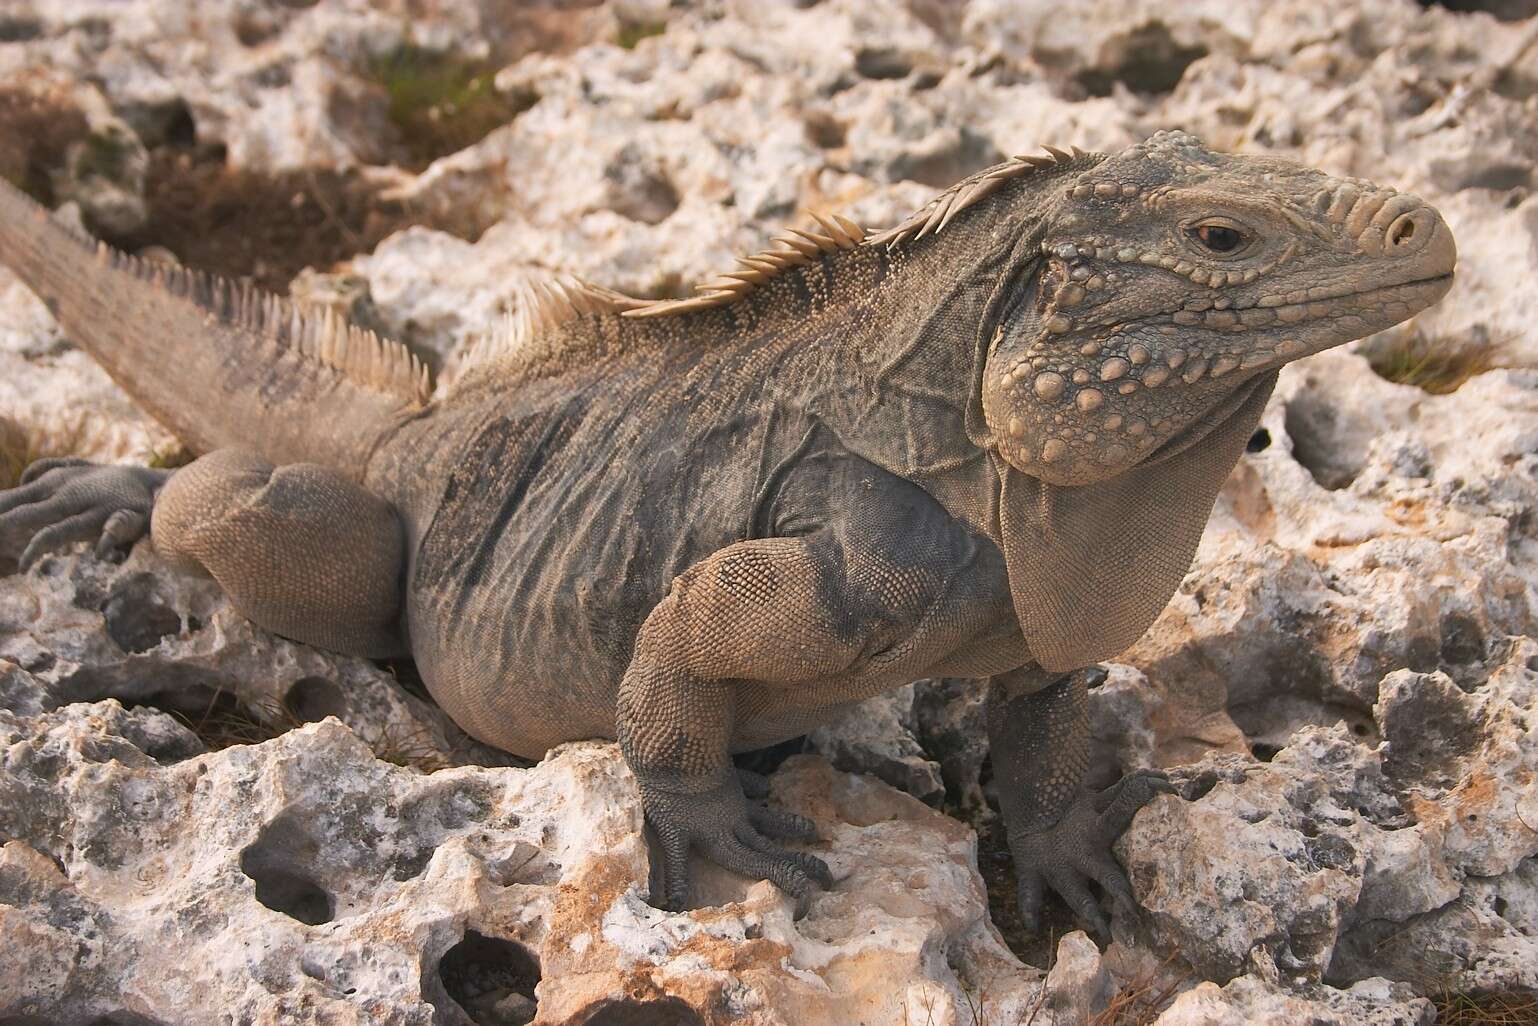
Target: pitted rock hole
pixel 289 893
pixel 1318 441
pixel 19 28
pixel 824 131
pixel 881 62
pixel 639 188
pixel 137 615
pixel 275 862
pixel 1260 441
pixel 1146 60
pixel 1463 643
pixel 312 699
pixel 668 1011
pixel 492 979
pixel 1504 10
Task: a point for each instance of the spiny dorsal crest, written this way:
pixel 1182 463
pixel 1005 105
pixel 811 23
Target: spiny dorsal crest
pixel 791 248
pixel 542 304
pixel 933 216
pixel 795 247
pixel 316 333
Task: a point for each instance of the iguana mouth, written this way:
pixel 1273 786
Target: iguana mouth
pixel 1234 400
pixel 1325 296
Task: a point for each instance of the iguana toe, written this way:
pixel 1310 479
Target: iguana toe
pixel 728 831
pixel 119 533
pixel 778 823
pixel 37 468
pixel 61 501
pixel 1077 850
pixel 1118 803
pixel 754 784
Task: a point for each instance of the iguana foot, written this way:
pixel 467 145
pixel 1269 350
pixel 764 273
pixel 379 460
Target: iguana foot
pixel 60 501
pixel 732 833
pixel 1077 849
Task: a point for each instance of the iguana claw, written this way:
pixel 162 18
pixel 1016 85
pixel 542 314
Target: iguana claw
pixel 60 501
pixel 1066 856
pixel 730 832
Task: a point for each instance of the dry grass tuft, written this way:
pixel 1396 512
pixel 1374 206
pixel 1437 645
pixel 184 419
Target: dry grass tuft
pixel 632 32
pixel 1144 999
pixel 225 721
pixel 1509 1009
pixel 22 445
pixel 1411 357
pixel 408 745
pixel 169 457
pixel 440 103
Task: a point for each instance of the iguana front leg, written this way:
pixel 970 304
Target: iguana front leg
pixel 747 615
pixel 752 638
pixel 1060 834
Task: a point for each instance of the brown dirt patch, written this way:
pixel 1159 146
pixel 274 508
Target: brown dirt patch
pixel 266 227
pixel 38 123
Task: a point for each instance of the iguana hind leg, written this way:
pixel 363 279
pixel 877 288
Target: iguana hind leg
pixel 300 549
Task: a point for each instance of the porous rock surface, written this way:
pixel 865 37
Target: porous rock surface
pixel 1345 688
pixel 316 883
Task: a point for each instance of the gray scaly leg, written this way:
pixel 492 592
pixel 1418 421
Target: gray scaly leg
pixel 61 501
pixel 300 549
pixel 1060 834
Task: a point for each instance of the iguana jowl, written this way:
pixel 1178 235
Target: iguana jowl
pixel 983 443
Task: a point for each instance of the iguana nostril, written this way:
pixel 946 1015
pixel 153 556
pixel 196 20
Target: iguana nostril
pixel 1402 231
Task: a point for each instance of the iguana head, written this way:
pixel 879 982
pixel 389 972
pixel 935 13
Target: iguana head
pixel 1171 276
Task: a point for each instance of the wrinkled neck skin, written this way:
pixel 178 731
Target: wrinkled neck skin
pixel 1097 535
pixel 1102 505
pixel 901 386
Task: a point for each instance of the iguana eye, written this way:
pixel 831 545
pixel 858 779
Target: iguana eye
pixel 1219 238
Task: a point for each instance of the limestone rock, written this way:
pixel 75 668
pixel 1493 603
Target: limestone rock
pixel 350 890
pixel 83 630
pixel 1248 1001
pixel 876 737
pixel 1079 982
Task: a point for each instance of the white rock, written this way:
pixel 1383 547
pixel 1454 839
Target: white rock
pixel 85 630
pixel 315 881
pixel 1249 1002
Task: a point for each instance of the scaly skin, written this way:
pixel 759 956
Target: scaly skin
pixel 984 444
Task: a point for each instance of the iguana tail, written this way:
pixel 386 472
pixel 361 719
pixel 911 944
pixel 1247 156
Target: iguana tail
pixel 218 362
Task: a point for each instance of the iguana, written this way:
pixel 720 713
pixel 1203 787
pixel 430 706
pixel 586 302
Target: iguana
pixel 983 443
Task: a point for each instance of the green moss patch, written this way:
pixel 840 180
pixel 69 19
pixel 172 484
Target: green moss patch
pixel 440 103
